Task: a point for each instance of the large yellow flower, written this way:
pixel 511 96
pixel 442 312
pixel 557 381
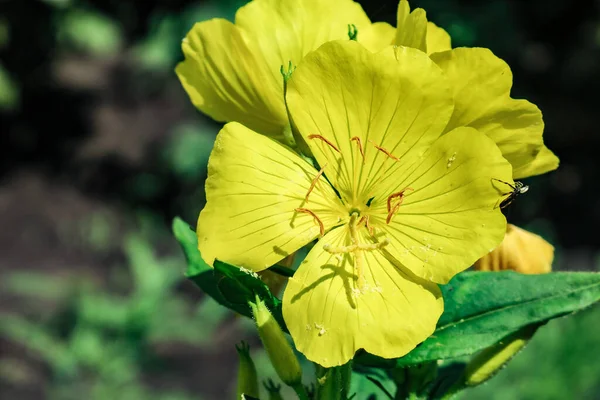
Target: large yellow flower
pixel 232 71
pixel 481 84
pixel 397 205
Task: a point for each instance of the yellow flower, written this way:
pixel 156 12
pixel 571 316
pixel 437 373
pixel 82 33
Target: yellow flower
pixel 481 83
pixel 232 71
pixel 397 207
pixel 520 251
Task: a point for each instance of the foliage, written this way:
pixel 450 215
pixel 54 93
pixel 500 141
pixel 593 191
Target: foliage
pixel 481 309
pixel 100 343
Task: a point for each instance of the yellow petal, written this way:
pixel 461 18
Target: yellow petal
pixel 481 84
pixel 520 251
pixel 451 217
pixel 232 72
pixel 411 27
pixel 253 187
pixel 396 99
pixel 329 321
pixel 545 161
pixel 437 39
pixel 377 36
pixel 226 80
pixel 287 30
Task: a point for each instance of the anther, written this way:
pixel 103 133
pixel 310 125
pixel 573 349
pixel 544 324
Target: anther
pixel 392 210
pixel 399 194
pixel 365 220
pixel 360 147
pixel 317 220
pixel 325 140
pixel 387 153
pixel 314 182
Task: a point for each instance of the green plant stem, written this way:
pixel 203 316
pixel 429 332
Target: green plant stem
pixel 300 391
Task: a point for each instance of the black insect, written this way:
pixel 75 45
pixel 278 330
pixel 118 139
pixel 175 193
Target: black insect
pixel 516 190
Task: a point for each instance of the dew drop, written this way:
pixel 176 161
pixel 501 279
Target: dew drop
pixel 451 160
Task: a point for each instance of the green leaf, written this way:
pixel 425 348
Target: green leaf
pixel 229 285
pixel 482 308
pixel 197 270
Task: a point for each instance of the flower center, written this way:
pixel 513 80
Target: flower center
pixel 356 248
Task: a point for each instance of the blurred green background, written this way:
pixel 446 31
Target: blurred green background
pixel 101 149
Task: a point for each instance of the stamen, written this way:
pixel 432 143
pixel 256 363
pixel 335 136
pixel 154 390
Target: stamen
pixel 387 153
pixel 314 182
pixel 325 140
pixel 365 219
pixel 392 211
pixel 360 146
pixel 317 220
pixel 399 194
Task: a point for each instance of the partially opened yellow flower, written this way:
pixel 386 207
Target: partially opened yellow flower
pixel 520 251
pixel 232 71
pixel 481 84
pixel 396 206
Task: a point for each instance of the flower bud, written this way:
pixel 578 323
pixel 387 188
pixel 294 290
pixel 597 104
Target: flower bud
pixel 520 251
pixel 278 348
pixel 247 378
pixel 489 361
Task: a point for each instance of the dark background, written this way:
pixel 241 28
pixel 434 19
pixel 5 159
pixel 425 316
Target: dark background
pixel 100 148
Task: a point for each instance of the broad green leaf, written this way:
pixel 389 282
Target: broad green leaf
pixel 560 362
pixel 227 284
pixel 482 308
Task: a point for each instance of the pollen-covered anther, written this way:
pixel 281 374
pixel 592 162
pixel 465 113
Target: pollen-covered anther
pixel 360 147
pixel 324 139
pixel 317 219
pixel 384 151
pixel 393 209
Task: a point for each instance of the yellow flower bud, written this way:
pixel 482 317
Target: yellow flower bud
pixel 278 348
pixel 247 378
pixel 520 251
